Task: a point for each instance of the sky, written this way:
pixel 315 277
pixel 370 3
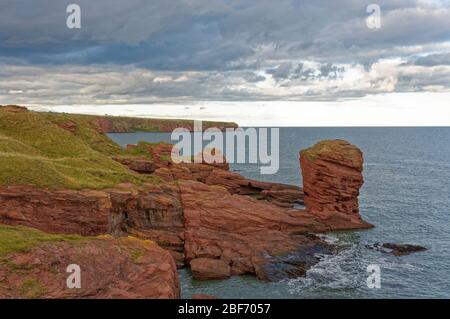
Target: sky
pixel 231 57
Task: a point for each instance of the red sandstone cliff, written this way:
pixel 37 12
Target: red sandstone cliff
pixel 213 220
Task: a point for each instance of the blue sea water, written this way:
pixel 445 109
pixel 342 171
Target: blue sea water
pixel 406 195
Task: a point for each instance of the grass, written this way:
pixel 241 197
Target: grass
pixel 31 288
pixel 328 146
pixel 34 150
pixel 19 239
pixel 141 150
pixel 136 254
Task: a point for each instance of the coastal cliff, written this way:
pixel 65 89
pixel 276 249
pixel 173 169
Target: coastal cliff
pixel 62 175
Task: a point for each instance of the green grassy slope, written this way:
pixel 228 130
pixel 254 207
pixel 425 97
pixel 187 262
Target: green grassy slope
pixel 34 150
pixel 18 239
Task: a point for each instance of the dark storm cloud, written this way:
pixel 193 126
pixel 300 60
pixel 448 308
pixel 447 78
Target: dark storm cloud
pixel 221 49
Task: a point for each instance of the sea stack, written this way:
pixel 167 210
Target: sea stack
pixel 332 177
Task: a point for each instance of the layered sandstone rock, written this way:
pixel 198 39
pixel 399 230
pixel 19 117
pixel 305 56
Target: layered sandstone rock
pixel 277 193
pixel 63 211
pixel 110 268
pixel 208 268
pixel 245 233
pixel 140 165
pixel 332 177
pixel 205 170
pixel 218 222
pixel 150 212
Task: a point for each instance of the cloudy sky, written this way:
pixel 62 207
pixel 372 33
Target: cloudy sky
pixel 182 51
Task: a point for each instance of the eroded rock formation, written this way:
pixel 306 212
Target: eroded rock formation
pixel 332 177
pixel 240 230
pixel 215 221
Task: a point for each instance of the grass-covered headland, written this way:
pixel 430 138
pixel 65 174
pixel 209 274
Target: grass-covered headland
pixel 56 150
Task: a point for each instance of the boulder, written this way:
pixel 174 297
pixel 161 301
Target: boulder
pixel 140 165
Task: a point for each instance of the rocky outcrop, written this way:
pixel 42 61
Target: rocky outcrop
pixel 279 194
pixel 332 177
pixel 140 165
pixel 109 268
pixel 215 221
pixel 64 211
pixel 149 212
pixel 206 171
pixel 245 233
pixel 69 126
pixel 397 249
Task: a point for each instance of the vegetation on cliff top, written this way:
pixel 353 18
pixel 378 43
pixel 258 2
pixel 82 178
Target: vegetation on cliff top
pixel 133 124
pixel 332 146
pixel 19 239
pixel 59 151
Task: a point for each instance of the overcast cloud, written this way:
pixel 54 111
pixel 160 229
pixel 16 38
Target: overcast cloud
pixel 138 51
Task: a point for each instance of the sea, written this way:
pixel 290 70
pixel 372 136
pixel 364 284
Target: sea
pixel 406 195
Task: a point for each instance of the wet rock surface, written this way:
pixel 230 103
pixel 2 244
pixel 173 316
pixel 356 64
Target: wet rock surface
pixel 396 249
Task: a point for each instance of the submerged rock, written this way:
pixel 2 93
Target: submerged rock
pixel 295 263
pixel 396 249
